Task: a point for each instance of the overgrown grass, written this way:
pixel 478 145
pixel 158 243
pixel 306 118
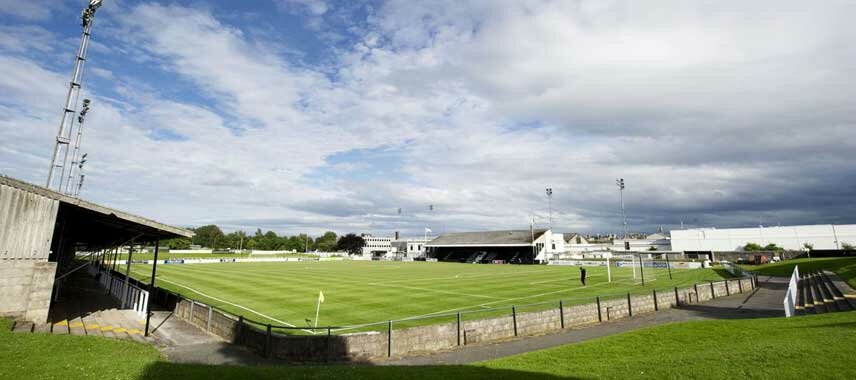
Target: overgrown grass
pixel 359 292
pixel 842 266
pixel 816 346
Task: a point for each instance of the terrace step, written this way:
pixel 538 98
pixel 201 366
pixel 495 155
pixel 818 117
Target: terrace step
pixel 821 292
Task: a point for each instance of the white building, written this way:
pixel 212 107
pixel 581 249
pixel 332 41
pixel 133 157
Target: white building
pixel 410 248
pixel 377 246
pixel 653 242
pixel 822 236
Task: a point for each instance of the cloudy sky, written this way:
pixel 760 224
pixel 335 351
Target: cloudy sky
pixel 307 115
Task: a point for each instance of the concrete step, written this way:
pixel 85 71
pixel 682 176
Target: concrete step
pixel 60 327
pixel 828 298
pixel 75 326
pixel 808 301
pixel 91 325
pixel 42 328
pixel 817 297
pixel 22 326
pixel 840 290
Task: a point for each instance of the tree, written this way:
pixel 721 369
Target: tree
pixel 351 243
pixel 326 242
pixel 848 247
pixel 773 248
pixel 808 247
pixel 208 236
pixel 652 248
pixel 177 243
pixel 752 247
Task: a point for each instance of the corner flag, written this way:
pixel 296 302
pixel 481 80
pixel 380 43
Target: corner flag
pixel 318 308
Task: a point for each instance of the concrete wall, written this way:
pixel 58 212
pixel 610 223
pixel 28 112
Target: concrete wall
pixel 438 337
pixel 25 289
pixel 26 230
pixel 26 224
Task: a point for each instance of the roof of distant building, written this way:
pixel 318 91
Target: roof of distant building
pixel 487 238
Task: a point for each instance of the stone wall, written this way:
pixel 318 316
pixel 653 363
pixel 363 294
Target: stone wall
pixel 25 289
pixel 366 346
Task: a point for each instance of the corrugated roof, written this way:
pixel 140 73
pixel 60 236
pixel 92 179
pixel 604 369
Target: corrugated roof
pixel 493 238
pixel 149 226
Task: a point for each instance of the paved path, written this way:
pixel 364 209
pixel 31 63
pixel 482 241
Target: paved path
pixel 765 301
pixel 185 343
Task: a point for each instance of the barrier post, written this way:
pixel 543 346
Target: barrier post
pixel 629 306
pixel 599 316
pixel 208 324
pixel 712 291
pixel 267 341
pixel 656 307
pixel 459 329
pixel 389 339
pixel 677 299
pixel 561 315
pixel 727 289
pixel 514 319
pixel 695 286
pixel 740 285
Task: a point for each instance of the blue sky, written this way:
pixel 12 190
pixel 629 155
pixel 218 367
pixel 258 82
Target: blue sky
pixel 308 115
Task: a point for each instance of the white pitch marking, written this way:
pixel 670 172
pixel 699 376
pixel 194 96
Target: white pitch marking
pixel 234 304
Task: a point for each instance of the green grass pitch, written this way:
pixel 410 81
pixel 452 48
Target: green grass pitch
pixel 359 292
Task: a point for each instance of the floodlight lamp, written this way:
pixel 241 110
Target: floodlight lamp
pixel 94 3
pixel 86 102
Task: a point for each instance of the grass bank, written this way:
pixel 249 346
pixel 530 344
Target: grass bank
pixel 816 346
pixel 845 267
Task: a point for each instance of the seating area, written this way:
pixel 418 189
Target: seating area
pixel 821 292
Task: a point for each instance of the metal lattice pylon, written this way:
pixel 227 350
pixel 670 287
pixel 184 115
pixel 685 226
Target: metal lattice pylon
pixel 66 126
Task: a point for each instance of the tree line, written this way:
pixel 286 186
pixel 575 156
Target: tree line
pixel 211 236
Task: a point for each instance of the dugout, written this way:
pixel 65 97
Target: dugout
pixel 509 246
pixel 45 236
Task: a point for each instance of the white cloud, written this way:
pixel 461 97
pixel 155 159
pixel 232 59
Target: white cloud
pixel 713 112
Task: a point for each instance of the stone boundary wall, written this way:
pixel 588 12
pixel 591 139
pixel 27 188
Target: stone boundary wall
pixel 365 346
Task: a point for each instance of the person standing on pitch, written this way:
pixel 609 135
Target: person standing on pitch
pixel 583 276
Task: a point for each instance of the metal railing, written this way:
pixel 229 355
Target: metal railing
pixel 790 300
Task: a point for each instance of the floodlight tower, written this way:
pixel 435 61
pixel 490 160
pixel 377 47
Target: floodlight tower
pixel 81 176
pixel 63 136
pixel 620 183
pixel 69 185
pixel 550 206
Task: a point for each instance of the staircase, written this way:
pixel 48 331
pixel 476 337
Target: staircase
pixel 111 323
pixel 821 292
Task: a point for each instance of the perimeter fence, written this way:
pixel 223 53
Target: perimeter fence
pixel 438 331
